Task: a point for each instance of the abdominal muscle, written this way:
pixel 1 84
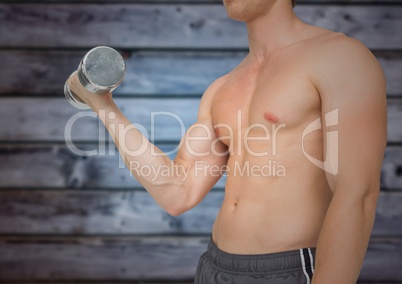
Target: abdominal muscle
pixel 264 214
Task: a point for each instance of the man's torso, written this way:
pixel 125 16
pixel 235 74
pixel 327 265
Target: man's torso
pixel 275 198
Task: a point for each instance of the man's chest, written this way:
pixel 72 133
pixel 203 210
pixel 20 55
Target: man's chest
pixel 254 105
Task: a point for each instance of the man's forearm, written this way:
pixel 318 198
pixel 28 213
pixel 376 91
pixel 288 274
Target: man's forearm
pixel 168 189
pixel 344 237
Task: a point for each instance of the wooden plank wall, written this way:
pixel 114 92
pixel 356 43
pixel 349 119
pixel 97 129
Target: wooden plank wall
pixel 65 218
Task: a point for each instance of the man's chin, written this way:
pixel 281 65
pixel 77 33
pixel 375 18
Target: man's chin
pixel 236 16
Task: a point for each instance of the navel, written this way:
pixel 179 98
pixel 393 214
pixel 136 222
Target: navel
pixel 271 117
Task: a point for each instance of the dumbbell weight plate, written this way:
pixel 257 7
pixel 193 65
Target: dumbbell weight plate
pixel 100 71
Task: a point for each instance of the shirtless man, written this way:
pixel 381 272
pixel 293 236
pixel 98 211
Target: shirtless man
pixel 310 218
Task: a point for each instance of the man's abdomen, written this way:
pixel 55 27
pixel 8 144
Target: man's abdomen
pixel 262 214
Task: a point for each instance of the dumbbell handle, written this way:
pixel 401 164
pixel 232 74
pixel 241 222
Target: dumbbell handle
pixel 101 71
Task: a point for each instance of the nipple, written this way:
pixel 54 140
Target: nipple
pixel 217 131
pixel 271 117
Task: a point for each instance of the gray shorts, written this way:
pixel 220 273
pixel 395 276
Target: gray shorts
pixel 286 267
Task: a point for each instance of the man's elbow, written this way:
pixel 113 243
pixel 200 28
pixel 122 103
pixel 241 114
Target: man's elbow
pixel 175 212
pixel 179 207
pixel 371 198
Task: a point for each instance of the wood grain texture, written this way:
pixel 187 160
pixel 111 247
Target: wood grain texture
pixel 159 119
pixel 55 166
pixel 176 26
pixel 139 282
pixel 143 258
pixel 91 212
pixel 31 73
pixel 355 2
pixel 394 120
pixel 50 232
pixel 391 174
pixel 46 119
pixel 132 258
pixel 70 212
pixel 148 73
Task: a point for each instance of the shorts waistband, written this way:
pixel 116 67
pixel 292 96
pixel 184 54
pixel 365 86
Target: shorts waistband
pixel 276 262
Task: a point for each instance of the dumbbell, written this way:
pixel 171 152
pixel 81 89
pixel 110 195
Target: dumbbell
pixel 100 71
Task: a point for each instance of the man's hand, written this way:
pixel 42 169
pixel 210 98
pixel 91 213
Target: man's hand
pixel 94 101
pixel 182 188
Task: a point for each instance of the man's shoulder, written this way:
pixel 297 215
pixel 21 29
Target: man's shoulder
pixel 219 82
pixel 214 87
pixel 207 97
pixel 345 61
pixel 338 49
pixel 338 54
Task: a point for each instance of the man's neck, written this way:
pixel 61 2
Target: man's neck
pixel 273 30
